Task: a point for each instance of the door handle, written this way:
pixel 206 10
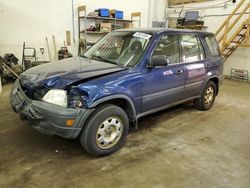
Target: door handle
pixel 179 71
pixel 208 66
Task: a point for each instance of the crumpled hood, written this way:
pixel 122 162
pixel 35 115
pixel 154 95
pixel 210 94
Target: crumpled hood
pixel 59 74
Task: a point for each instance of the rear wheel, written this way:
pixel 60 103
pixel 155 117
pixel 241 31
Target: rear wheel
pixel 106 130
pixel 206 101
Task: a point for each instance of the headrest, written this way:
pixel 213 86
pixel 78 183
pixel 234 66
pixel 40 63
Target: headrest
pixel 136 46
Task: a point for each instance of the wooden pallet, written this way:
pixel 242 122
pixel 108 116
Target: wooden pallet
pixel 179 2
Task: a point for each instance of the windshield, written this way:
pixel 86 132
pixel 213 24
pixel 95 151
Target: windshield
pixel 123 48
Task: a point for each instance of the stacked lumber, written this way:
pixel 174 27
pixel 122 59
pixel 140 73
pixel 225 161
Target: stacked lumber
pixel 178 2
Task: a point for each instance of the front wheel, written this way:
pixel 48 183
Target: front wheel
pixel 106 130
pixel 206 101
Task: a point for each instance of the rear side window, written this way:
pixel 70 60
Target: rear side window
pixel 192 49
pixel 212 45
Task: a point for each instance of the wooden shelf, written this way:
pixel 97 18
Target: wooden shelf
pixel 196 27
pixel 104 18
pixel 114 23
pixel 94 32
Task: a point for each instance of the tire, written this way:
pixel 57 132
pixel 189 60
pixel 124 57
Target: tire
pixel 206 101
pixel 106 131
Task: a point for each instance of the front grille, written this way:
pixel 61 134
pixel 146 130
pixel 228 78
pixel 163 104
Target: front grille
pixel 34 93
pixel 39 93
pixel 26 90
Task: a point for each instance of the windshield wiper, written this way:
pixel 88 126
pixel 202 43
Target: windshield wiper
pixel 97 57
pixel 84 56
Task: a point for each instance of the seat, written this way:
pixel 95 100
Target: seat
pixel 132 56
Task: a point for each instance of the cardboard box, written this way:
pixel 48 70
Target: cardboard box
pixel 128 25
pixel 105 27
pixel 172 22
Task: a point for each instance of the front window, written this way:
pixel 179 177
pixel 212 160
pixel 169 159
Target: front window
pixel 168 45
pixel 122 48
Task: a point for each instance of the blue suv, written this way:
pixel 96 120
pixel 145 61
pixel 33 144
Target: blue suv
pixel 126 75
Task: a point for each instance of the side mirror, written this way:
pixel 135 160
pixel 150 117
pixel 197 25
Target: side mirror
pixel 158 60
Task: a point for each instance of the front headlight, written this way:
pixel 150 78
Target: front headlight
pixel 56 96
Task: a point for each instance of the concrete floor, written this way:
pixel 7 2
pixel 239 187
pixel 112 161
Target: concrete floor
pixel 179 147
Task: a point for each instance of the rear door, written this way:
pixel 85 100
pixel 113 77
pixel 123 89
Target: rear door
pixel 215 63
pixel 195 62
pixel 164 85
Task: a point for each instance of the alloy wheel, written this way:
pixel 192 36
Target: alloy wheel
pixel 209 96
pixel 109 132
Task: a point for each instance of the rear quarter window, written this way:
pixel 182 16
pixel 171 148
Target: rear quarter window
pixel 212 45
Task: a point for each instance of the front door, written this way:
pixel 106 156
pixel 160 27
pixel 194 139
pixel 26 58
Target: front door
pixel 164 85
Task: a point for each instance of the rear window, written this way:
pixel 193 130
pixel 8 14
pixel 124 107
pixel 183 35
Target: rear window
pixel 212 45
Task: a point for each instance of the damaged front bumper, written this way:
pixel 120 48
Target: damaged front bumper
pixel 48 118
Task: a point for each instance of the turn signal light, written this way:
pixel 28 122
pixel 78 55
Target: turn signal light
pixel 70 122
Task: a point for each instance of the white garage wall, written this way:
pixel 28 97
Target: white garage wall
pixel 16 18
pixel 32 20
pixel 240 58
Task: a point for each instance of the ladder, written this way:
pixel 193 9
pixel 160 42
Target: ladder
pixel 231 34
